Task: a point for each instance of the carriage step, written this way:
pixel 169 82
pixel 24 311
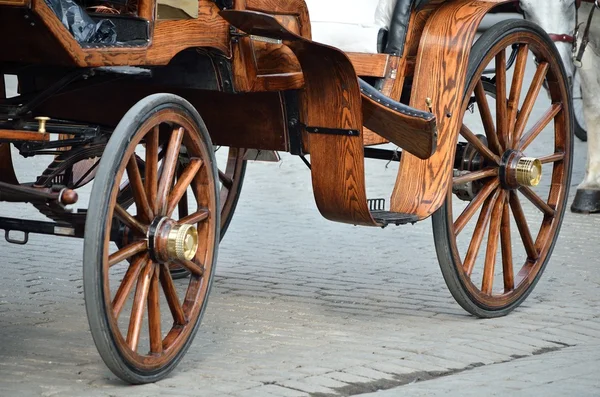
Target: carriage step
pixel 385 218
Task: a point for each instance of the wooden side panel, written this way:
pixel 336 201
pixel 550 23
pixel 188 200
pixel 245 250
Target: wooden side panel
pixel 287 7
pixel 440 74
pixel 169 38
pixel 332 99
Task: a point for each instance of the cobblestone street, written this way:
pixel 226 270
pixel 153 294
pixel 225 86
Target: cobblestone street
pixel 305 307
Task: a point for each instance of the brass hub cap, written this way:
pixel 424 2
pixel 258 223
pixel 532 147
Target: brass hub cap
pixel 517 170
pixel 182 242
pixel 169 241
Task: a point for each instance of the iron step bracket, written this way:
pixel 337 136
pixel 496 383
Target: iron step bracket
pixel 16 241
pixel 332 131
pixel 377 204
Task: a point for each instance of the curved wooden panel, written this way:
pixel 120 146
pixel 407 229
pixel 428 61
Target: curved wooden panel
pixel 330 99
pixel 440 74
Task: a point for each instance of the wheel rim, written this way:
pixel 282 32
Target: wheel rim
pixel 134 303
pixel 493 225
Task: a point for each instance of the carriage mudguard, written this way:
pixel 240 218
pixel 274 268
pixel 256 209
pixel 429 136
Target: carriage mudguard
pixel 440 75
pixel 332 114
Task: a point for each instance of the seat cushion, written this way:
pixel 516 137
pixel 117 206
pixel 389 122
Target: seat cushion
pixel 350 25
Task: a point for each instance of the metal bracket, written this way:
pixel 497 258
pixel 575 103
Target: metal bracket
pixel 15 241
pixel 332 131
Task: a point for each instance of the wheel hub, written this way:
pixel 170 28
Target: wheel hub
pixel 517 170
pixel 468 159
pixel 169 241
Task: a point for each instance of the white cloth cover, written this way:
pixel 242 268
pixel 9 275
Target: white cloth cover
pixel 350 25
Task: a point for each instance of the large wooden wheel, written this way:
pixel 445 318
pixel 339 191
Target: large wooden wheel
pixel 495 233
pixel 141 320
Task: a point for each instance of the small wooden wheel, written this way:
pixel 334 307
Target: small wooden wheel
pixel 495 233
pixel 142 321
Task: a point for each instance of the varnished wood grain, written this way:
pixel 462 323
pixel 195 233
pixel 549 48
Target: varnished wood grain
pixel 479 232
pixel 127 252
pixel 170 162
pixel 331 99
pixel 131 276
pixel 421 187
pixel 492 245
pixel 413 134
pixel 515 90
pixel 169 38
pixel 288 7
pixel 464 218
pixel 21 135
pixel 154 326
pixel 183 182
pixel 530 99
pixel 507 253
pixel 372 65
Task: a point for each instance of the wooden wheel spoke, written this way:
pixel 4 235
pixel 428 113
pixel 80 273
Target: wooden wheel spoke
pixel 530 98
pixel 137 188
pixel 195 217
pixel 139 302
pixel 530 136
pixel 152 145
pixel 537 201
pixel 506 242
pixel 127 252
pixel 515 89
pixel 154 314
pixel 474 205
pixel 552 158
pixel 475 176
pixel 478 233
pixel 194 268
pixel 480 146
pixel 492 246
pixel 169 167
pixel 183 182
pixel 126 284
pixel 501 105
pixel 170 292
pixel 521 220
pixel 487 118
pixel 125 217
pixel 225 180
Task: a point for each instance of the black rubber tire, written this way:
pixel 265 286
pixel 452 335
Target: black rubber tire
pixel 95 231
pixel 441 229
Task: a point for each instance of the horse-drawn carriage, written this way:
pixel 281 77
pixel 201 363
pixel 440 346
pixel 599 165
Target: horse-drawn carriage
pixel 135 96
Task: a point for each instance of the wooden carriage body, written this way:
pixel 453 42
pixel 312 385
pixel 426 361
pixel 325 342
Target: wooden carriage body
pixel 248 87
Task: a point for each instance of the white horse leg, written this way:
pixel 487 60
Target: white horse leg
pixel 587 199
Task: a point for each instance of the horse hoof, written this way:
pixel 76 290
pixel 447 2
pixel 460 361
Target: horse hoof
pixel 587 201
